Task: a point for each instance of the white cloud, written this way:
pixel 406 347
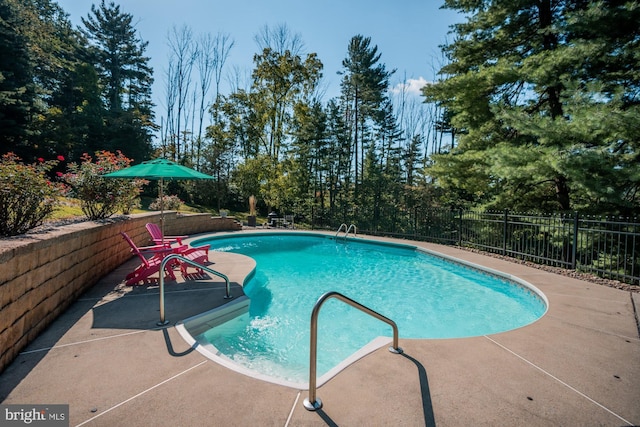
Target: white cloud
pixel 410 87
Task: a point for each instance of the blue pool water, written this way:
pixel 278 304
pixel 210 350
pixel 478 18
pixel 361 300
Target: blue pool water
pixel 427 297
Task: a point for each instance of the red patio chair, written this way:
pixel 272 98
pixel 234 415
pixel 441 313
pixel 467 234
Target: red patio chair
pixel 151 257
pixel 156 236
pixel 198 254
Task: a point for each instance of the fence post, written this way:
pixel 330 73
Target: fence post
pixel 460 227
pixel 574 249
pixel 504 232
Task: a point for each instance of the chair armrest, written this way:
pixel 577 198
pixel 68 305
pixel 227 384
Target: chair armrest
pixel 185 249
pixel 154 249
pixel 169 240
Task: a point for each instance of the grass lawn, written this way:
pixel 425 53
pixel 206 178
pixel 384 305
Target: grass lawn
pixel 70 208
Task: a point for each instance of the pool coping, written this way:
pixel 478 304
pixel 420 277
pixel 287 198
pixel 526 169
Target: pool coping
pixel 575 366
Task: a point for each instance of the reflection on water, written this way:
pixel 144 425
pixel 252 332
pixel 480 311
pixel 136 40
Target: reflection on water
pixel 426 296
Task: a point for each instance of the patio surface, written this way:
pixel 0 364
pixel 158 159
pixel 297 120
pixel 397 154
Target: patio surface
pixel 579 365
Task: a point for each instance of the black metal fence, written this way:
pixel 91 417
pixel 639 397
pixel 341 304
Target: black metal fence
pixel 607 247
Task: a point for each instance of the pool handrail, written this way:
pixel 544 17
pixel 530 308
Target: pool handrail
pixel 312 403
pixel 168 258
pixel 347 230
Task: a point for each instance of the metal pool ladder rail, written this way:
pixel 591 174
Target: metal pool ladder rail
pixel 347 230
pixel 312 403
pixel 168 258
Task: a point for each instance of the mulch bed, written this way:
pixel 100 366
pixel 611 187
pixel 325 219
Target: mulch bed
pixel 587 277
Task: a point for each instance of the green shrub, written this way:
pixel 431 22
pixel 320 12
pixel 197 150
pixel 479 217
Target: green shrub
pixel 102 197
pixel 27 196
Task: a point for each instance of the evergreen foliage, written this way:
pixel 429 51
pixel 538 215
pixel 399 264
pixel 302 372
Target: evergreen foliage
pixel 124 73
pixel 66 92
pixel 543 97
pixel 536 108
pixel 17 86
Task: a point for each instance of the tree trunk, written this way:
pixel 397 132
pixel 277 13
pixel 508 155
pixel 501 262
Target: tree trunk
pixel 550 42
pixel 562 193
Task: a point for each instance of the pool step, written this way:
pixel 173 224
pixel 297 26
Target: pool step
pixel 201 323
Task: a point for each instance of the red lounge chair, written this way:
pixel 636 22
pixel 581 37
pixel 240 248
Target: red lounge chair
pixel 156 236
pixel 151 257
pixel 199 254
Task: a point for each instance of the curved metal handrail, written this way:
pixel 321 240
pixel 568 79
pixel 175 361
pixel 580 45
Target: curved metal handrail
pixel 311 403
pixel 355 231
pixel 168 258
pixel 347 230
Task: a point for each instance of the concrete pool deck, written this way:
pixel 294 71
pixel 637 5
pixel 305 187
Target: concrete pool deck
pixel 579 365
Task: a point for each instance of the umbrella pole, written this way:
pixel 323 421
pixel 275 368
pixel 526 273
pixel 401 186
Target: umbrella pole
pixel 161 213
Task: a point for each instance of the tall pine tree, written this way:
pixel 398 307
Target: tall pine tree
pixel 543 95
pixel 126 76
pixel 17 88
pixel 364 85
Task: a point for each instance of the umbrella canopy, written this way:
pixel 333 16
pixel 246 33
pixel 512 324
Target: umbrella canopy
pixel 158 170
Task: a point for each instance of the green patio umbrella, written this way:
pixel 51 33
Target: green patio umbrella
pixel 158 170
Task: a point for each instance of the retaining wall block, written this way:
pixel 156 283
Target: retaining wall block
pixel 43 273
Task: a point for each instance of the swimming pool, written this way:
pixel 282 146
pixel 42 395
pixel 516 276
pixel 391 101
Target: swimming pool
pixel 427 296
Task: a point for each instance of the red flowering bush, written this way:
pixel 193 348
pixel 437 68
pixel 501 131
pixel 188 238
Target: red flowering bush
pixel 102 197
pixel 169 203
pixel 27 196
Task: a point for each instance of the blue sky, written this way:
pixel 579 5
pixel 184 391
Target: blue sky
pixel 407 33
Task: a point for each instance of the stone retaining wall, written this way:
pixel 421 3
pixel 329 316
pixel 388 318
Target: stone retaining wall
pixel 42 273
